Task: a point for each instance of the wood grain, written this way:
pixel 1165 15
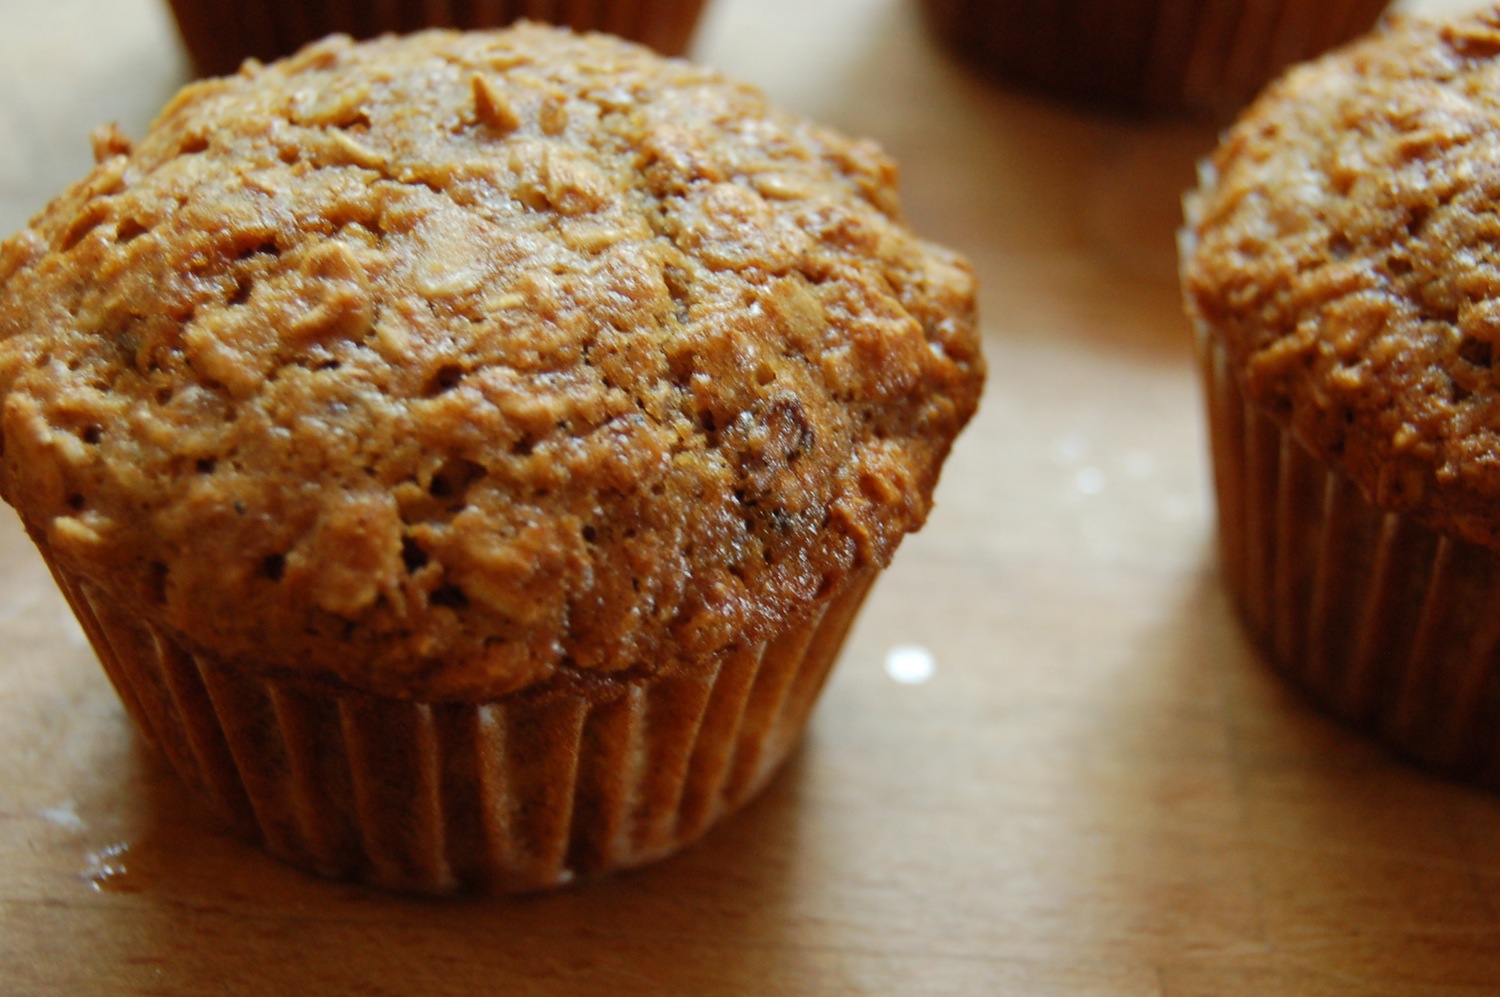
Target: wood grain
pixel 1099 790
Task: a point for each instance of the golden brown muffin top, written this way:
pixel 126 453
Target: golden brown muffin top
pixel 440 366
pixel 1348 256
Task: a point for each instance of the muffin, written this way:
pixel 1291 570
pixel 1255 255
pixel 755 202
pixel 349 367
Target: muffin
pixel 220 34
pixel 1146 55
pixel 467 452
pixel 1340 269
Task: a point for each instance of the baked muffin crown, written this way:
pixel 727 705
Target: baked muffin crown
pixel 1346 251
pixel 441 366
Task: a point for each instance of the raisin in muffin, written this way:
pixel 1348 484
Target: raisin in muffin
pixel 1341 270
pixel 467 452
pixel 220 34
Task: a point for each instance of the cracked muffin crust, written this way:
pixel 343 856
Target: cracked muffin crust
pixel 439 367
pixel 1348 258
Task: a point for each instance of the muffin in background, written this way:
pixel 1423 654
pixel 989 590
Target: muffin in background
pixel 1340 268
pixel 220 34
pixel 467 452
pixel 1146 55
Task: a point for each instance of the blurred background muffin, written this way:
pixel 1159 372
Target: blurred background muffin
pixel 1146 55
pixel 220 34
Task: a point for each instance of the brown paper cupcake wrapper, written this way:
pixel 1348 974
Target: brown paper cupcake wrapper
pixel 1387 624
pixel 220 34
pixel 1147 54
pixel 524 792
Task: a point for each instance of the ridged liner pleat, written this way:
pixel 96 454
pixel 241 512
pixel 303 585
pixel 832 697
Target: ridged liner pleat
pixel 487 13
pixel 520 793
pixel 1389 625
pixel 220 34
pixel 622 17
pixel 1146 54
pixel 167 704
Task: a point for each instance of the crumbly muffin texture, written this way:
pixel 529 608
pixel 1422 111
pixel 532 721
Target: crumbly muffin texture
pixel 438 367
pixel 1346 252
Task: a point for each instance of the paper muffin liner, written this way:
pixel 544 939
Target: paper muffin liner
pixel 220 34
pixel 1389 625
pixel 524 792
pixel 1147 54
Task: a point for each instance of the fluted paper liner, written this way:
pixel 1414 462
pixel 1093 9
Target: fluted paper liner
pixel 1148 54
pixel 1389 625
pixel 220 34
pixel 520 793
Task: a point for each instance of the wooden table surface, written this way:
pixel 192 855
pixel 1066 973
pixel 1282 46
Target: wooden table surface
pixel 1098 789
